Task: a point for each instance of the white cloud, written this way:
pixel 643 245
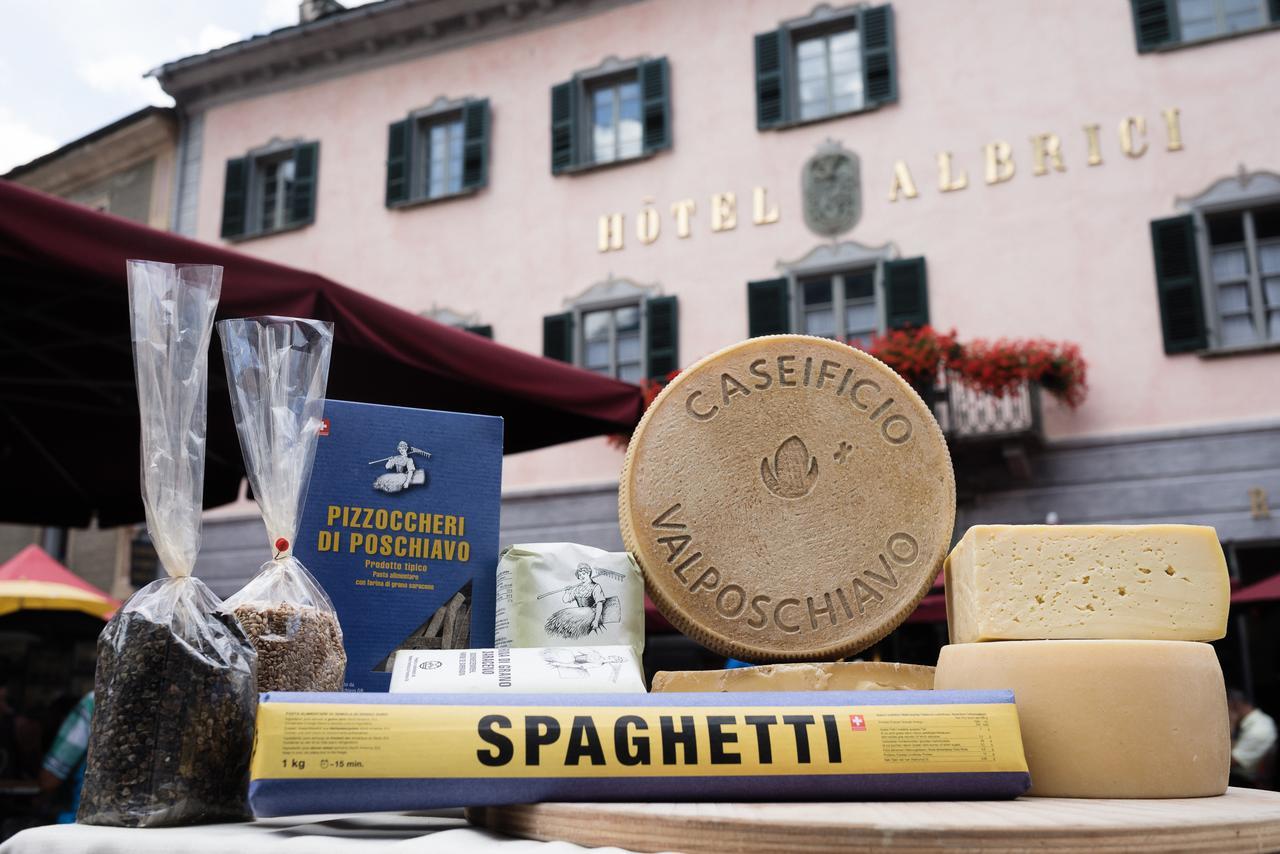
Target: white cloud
pixel 284 13
pixel 212 36
pixel 277 14
pixel 124 74
pixel 19 142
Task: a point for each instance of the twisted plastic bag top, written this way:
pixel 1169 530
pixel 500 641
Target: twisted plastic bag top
pixel 171 314
pixel 277 370
pixel 282 579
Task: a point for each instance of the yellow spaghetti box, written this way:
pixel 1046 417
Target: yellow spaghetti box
pixel 318 753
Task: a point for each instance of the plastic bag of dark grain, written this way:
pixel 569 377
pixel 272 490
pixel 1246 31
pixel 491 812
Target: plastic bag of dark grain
pixel 277 369
pixel 172 729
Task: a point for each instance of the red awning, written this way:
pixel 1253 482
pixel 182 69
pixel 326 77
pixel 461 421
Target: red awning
pixel 68 411
pixel 1267 590
pixel 32 580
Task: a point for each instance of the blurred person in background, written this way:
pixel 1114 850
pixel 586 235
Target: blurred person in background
pixel 62 773
pixel 1253 742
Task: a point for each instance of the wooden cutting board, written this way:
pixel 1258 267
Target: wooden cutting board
pixel 1241 820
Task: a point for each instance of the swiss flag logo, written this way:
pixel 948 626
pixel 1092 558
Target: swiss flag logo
pixel 324 427
pixel 857 723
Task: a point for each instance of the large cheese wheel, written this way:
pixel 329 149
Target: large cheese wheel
pixel 789 498
pixel 1108 718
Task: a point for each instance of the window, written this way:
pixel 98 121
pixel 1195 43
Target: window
pixel 853 304
pixel 1244 269
pixel 439 152
pixel 616 128
pixel 616 112
pixel 467 322
pixel 841 306
pixel 274 185
pixel 1218 267
pixel 442 157
pixel 144 563
pixel 832 63
pixel 270 190
pixel 1169 23
pixel 829 74
pixel 618 329
pixel 1202 19
pixel 611 342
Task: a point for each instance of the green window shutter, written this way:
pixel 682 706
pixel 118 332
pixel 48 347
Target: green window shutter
pixel 1275 11
pixel 557 336
pixel 1155 23
pixel 399 136
pixel 564 136
pixel 768 307
pixel 879 62
pixel 475 145
pixel 1178 285
pixel 235 197
pixel 773 89
pixel 302 195
pixel 655 94
pixel 906 293
pixel 662 336
pixel 483 330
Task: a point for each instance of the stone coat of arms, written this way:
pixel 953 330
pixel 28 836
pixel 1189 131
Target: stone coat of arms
pixel 831 186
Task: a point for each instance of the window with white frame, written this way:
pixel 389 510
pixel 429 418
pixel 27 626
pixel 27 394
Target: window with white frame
pixel 270 189
pixel 272 186
pixel 841 305
pixel 829 72
pixel 616 112
pixel 440 151
pixel 617 328
pixel 617 127
pixel 1244 271
pixel 611 342
pixel 440 155
pixel 1202 19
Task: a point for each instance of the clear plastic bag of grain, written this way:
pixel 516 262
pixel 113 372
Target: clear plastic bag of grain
pixel 277 369
pixel 175 700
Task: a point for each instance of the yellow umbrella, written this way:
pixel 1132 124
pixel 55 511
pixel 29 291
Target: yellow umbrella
pixel 32 580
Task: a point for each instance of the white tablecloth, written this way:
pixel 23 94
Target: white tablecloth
pixel 445 832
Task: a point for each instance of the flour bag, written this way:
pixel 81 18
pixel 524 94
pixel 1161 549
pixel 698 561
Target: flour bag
pixel 565 594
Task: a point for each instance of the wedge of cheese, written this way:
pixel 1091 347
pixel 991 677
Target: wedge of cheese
pixel 838 676
pixel 1055 582
pixel 1108 718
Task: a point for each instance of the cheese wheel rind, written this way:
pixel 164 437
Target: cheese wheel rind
pixel 1059 582
pixel 789 498
pixel 1108 718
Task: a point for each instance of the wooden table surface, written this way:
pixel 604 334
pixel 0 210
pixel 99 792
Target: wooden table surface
pixel 1241 820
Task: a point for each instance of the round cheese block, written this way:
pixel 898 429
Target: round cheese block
pixel 1107 718
pixel 789 498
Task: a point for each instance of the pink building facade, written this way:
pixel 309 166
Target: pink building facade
pixel 603 181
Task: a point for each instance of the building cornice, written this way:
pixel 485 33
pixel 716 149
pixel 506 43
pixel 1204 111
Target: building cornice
pixel 145 135
pixel 354 40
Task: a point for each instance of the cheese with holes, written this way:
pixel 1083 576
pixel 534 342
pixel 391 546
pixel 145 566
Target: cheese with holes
pixel 1108 718
pixel 840 676
pixel 1144 582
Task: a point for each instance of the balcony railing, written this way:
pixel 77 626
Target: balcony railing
pixel 967 414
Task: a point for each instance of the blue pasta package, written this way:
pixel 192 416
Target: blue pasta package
pixel 400 526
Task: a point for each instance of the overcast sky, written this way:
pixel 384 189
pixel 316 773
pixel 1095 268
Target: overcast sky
pixel 68 67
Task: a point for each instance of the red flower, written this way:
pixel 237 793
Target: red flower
pixel 997 368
